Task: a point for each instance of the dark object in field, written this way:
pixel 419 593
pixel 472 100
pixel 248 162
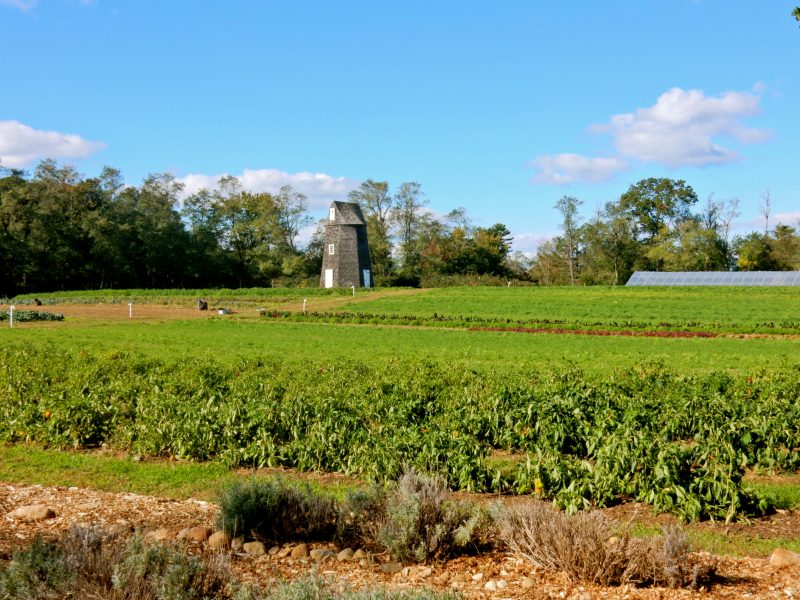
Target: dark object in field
pixel 202 305
pixel 37 302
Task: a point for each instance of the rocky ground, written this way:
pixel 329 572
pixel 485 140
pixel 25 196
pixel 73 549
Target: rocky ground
pixel 497 575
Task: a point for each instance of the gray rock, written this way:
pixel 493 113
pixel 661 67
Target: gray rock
pixel 391 567
pixel 237 544
pixel 274 550
pixel 254 549
pixel 527 583
pixel 345 555
pixel 477 577
pixel 425 572
pixel 34 512
pixel 219 540
pixel 409 571
pixel 159 535
pixel 183 534
pixel 490 586
pixel 781 557
pixel 359 554
pixel 300 551
pixel 284 552
pixel 320 554
pixel 502 584
pixel 198 534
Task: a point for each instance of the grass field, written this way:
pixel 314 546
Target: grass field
pixel 230 338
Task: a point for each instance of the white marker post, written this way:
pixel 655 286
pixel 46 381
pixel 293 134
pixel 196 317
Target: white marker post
pixel 130 310
pixel 354 291
pixel 11 316
pixel 304 305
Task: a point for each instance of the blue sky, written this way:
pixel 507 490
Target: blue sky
pixel 499 107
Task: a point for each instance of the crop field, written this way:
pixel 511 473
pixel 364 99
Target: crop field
pixel 591 409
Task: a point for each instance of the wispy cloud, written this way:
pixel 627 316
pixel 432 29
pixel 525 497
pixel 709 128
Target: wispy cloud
pixel 683 128
pixel 568 168
pixel 21 145
pixel 320 188
pixel 20 4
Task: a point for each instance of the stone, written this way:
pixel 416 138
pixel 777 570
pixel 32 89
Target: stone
pixel 300 551
pixel 320 554
pixel 284 552
pixel 198 534
pixel 442 578
pixel 274 550
pixel 409 571
pixel 219 540
pixel 237 544
pixel 527 583
pixel 183 534
pixel 359 554
pixel 34 512
pixel 391 567
pixel 781 557
pixel 254 549
pixel 425 572
pixel 161 534
pixel 477 577
pixel 490 586
pixel 502 584
pixel 345 555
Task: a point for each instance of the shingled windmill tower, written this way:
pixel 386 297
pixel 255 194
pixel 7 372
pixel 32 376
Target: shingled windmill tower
pixel 345 255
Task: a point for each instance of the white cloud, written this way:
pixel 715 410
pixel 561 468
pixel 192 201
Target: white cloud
pixel 683 128
pixel 20 145
pixel 787 218
pixel 568 168
pixel 679 129
pixel 528 243
pixel 321 189
pixel 20 4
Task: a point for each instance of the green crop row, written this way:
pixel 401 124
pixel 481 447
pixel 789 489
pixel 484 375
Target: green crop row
pixel 679 443
pixel 23 316
pixel 471 321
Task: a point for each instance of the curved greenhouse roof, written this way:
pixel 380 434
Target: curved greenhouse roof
pixel 744 278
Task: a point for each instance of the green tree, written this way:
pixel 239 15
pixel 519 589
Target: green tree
pixel 796 13
pixel 409 218
pixel 655 203
pixel 568 207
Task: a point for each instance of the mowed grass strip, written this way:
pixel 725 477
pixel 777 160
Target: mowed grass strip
pixel 229 339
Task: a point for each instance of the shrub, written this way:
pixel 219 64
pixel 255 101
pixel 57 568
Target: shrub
pixel 360 516
pixel 103 565
pixel 588 546
pixel 317 588
pixel 421 520
pixel 272 510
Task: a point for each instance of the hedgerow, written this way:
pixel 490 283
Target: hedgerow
pixel 680 443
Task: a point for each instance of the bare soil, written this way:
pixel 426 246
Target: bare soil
pixel 469 575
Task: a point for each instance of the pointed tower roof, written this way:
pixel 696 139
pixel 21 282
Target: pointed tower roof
pixel 348 213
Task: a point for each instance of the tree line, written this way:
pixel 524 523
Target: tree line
pixel 60 230
pixel 652 227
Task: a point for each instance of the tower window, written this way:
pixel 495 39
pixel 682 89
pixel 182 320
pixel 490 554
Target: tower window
pixel 331 248
pixel 332 216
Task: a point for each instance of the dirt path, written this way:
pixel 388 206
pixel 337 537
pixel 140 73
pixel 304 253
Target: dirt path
pixel 509 575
